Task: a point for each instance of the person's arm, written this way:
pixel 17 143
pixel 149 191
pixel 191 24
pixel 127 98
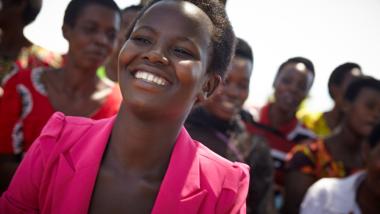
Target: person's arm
pixel 298 177
pixel 260 195
pixel 233 198
pixel 242 192
pixel 296 186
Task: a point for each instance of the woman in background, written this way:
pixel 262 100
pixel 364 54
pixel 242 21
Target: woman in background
pixel 338 155
pixel 358 193
pixel 16 51
pixel 33 95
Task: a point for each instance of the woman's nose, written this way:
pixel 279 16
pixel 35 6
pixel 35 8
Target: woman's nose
pixel 102 39
pixel 231 89
pixel 156 56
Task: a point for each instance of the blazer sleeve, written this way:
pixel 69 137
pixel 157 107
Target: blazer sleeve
pixel 240 205
pixel 23 194
pixel 234 193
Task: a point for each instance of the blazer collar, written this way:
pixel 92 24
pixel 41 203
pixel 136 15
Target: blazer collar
pixel 180 190
pixel 78 167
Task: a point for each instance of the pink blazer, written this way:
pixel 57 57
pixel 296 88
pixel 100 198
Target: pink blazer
pixel 59 171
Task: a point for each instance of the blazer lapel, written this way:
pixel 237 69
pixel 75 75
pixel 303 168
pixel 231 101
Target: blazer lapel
pixel 180 190
pixel 78 167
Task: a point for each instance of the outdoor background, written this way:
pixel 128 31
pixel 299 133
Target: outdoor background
pixel 329 32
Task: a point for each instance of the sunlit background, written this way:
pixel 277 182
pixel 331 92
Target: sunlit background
pixel 329 32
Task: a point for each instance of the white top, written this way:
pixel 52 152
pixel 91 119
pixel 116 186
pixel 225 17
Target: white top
pixel 333 196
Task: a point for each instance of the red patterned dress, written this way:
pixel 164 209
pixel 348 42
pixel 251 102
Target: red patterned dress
pixel 29 57
pixel 281 140
pixel 25 108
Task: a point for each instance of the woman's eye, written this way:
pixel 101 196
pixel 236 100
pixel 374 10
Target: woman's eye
pixel 370 105
pixel 302 87
pixel 111 35
pixel 141 40
pixel 89 29
pixel 286 80
pixel 183 53
pixel 243 86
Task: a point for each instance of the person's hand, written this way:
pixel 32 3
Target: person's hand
pixel 1 92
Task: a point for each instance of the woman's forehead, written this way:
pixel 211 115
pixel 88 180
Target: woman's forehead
pixel 178 11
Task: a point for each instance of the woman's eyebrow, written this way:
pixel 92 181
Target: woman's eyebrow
pixel 144 27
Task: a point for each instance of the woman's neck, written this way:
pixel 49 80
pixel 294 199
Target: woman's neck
pixel 140 144
pixel 278 117
pixel 333 117
pixel 345 146
pixel 349 140
pixel 78 82
pixel 367 200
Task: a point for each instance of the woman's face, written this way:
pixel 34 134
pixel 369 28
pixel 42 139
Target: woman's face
pixel 93 36
pixel 162 66
pixel 364 112
pixel 341 90
pixel 291 86
pixel 230 97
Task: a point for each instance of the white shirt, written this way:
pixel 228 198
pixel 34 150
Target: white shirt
pixel 333 196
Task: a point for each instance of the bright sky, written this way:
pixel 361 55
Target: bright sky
pixel 329 32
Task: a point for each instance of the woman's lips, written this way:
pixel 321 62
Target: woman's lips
pixel 150 78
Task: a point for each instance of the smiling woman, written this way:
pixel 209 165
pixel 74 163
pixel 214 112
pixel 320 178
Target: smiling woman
pixel 142 160
pixel 180 61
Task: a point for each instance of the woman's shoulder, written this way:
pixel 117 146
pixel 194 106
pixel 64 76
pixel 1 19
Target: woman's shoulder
pixel 229 181
pixel 213 163
pixel 337 194
pixel 30 78
pixel 62 131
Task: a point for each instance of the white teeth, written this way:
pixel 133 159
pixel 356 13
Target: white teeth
pixel 228 105
pixel 151 78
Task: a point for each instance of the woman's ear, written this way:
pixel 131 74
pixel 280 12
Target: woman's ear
pixel 335 91
pixel 66 31
pixel 209 87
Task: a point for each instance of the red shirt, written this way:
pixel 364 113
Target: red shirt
pixel 281 140
pixel 25 108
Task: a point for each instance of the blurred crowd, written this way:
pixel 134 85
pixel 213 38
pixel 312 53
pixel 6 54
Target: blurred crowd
pixel 300 161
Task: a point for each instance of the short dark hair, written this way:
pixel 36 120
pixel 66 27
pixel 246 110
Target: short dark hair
pixel 32 9
pixel 243 49
pixel 359 84
pixel 223 38
pixel 339 73
pixel 137 7
pixel 307 62
pixel 75 7
pixel 374 136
